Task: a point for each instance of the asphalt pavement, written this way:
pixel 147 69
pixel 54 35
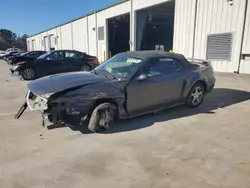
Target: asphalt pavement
pixel 207 147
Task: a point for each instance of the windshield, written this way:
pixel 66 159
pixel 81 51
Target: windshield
pixel 121 66
pixel 44 55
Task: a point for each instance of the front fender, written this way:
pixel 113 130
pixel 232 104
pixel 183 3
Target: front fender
pixel 83 99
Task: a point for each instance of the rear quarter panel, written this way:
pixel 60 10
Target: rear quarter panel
pixel 204 74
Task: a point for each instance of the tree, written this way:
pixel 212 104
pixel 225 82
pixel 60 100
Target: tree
pixel 20 42
pixel 8 39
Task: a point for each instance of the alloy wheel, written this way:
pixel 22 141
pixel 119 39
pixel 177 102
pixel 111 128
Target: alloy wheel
pixel 28 74
pixel 85 68
pixel 197 96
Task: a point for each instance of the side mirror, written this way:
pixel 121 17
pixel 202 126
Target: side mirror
pixel 142 77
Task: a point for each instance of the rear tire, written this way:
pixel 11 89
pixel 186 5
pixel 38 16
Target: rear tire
pixel 196 95
pixel 86 68
pixel 28 74
pixel 102 117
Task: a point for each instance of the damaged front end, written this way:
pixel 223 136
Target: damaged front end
pixel 56 110
pixel 34 103
pixel 70 98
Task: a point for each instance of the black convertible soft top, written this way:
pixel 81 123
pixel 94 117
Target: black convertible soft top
pixel 151 54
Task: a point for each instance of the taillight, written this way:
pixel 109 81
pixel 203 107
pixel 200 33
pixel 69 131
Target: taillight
pixel 20 63
pixel 94 59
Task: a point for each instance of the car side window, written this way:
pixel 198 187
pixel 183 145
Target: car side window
pixel 56 56
pixel 40 53
pixel 33 54
pixel 70 55
pixel 81 55
pixel 162 66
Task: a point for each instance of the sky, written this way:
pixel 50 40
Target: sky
pixel 32 16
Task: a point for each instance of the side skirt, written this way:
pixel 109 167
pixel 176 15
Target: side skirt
pixel 153 111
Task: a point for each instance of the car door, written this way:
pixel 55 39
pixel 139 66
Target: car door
pixel 163 86
pixel 51 64
pixel 70 62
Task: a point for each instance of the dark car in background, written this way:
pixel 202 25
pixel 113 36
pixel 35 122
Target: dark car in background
pixel 26 56
pixel 54 62
pixel 127 85
pixel 10 55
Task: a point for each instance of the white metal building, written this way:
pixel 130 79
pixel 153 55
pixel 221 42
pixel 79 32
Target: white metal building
pixel 218 30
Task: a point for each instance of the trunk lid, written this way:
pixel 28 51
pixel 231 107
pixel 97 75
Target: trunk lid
pixel 200 64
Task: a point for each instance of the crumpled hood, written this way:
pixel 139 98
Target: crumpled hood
pixel 60 82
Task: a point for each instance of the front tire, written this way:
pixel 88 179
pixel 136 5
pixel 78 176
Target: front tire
pixel 102 117
pixel 28 74
pixel 196 95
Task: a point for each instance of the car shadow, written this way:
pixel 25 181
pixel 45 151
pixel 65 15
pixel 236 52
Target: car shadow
pixel 218 98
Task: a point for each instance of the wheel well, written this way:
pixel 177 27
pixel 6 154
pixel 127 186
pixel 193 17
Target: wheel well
pixel 203 83
pixel 103 100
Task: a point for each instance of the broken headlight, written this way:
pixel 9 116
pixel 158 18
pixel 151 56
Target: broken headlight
pixel 46 96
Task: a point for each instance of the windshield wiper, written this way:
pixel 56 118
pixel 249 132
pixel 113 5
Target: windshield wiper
pixel 106 74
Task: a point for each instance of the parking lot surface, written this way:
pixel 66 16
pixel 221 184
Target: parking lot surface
pixel 207 147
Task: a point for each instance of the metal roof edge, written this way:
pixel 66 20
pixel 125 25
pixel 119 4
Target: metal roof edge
pixel 88 14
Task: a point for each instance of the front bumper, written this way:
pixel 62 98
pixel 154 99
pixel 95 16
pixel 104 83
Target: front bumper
pixel 72 113
pixel 14 70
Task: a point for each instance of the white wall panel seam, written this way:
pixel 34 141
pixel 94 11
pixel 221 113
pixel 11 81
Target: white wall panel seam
pixel 72 38
pixel 96 34
pixel 87 26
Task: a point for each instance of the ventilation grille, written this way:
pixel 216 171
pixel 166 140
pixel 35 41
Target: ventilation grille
pixel 219 46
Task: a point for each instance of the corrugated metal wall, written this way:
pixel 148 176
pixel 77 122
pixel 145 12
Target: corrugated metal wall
pixel 140 4
pixel 80 38
pixel 213 17
pixel 219 16
pixel 92 34
pixel 184 26
pixel 42 35
pixel 102 17
pixel 66 36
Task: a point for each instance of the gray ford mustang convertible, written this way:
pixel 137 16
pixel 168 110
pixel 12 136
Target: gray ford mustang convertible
pixel 127 85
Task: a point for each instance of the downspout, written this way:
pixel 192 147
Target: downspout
pixel 131 26
pixel 242 36
pixel 47 40
pixel 107 40
pixel 194 33
pixel 96 34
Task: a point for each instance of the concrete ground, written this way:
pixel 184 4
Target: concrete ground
pixel 207 147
